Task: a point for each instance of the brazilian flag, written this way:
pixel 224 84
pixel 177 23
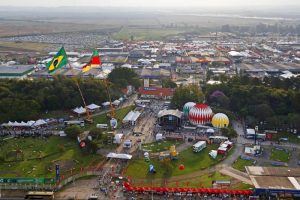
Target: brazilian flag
pixel 59 60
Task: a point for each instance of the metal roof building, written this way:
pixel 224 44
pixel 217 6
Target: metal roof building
pixel 16 71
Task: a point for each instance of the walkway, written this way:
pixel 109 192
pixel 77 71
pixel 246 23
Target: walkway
pixel 229 171
pixel 223 166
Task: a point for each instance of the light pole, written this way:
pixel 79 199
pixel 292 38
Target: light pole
pixel 256 129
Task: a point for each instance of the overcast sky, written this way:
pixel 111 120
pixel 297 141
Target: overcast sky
pixel 148 3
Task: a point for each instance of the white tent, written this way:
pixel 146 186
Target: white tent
pixel 224 145
pixel 131 117
pixel 118 138
pixel 80 110
pixel 116 102
pixel 127 66
pixel 210 130
pixel 106 103
pixel 119 156
pixel 158 137
pixel 16 123
pixel 40 122
pixel 93 106
pixel 23 124
pixel 213 154
pixel 30 123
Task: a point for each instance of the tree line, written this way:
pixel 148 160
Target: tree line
pixel 271 102
pixel 22 100
pixel 262 28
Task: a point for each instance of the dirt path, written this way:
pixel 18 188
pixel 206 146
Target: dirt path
pixel 229 171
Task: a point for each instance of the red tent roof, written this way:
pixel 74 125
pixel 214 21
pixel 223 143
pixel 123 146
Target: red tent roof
pixel 194 190
pixel 156 91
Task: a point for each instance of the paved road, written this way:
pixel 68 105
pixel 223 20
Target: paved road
pixel 239 148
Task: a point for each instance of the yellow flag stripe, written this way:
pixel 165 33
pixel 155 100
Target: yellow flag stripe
pixel 55 63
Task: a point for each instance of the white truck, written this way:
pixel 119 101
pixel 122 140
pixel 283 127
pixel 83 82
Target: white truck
pixel 199 146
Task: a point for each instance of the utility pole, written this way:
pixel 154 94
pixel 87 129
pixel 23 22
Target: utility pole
pixel 255 134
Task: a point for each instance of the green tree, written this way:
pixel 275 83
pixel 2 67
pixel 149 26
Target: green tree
pixel 185 94
pixel 96 133
pixel 91 146
pixel 73 131
pixel 262 112
pixel 229 132
pixel 168 83
pixel 123 77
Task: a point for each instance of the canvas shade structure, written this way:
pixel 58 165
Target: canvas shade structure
pixel 40 122
pixel 119 156
pixel 132 116
pixel 106 103
pixel 79 110
pixel 210 130
pixel 92 106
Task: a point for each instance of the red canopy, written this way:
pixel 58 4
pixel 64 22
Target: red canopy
pixel 194 190
pixel 147 188
pixel 171 189
pixel 126 184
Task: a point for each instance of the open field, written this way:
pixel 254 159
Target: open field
pixel 240 164
pixel 161 146
pixel 280 155
pixel 36 157
pixel 204 181
pixel 102 119
pixel 23 46
pixel 139 168
pixel 29 27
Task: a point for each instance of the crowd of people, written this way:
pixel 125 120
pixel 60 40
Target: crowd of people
pixel 25 131
pixel 186 196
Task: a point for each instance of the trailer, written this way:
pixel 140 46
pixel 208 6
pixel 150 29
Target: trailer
pixel 199 146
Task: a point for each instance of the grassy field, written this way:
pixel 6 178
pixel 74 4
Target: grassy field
pixel 102 119
pixel 40 47
pixel 161 146
pixel 240 164
pixel 280 155
pixel 36 157
pixel 138 168
pixel 204 181
pixel 292 137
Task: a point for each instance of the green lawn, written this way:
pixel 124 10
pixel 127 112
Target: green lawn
pixel 161 146
pixel 292 137
pixel 204 181
pixel 280 155
pixel 240 164
pixel 138 168
pixel 102 119
pixel 37 157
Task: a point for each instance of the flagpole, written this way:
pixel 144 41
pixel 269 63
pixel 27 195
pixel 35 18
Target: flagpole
pixel 80 91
